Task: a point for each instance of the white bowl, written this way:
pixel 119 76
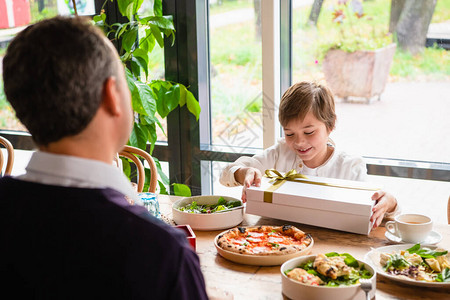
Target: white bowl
pixel 296 290
pixel 214 221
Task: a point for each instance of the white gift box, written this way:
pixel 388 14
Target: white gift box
pixel 340 204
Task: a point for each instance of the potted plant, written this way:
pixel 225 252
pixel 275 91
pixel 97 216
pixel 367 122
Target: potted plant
pixel 357 61
pixel 150 97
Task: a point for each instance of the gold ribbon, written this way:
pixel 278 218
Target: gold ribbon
pixel 278 180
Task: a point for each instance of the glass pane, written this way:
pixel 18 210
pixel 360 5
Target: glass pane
pixel 417 191
pixel 155 65
pixel 14 17
pixel 409 119
pixel 236 81
pixel 217 187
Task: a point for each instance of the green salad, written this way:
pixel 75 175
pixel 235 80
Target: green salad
pixel 418 263
pixel 221 205
pixel 330 269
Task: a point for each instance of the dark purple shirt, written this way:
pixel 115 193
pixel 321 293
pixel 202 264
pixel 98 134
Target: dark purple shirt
pixel 76 243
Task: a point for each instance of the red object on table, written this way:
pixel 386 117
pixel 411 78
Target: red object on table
pixel 189 234
pixel 14 13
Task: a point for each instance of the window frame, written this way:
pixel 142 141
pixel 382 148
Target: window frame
pixel 189 150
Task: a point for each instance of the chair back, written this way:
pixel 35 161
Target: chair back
pixel 132 153
pixel 10 159
pixel 448 210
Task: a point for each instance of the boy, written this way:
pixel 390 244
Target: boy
pixel 308 116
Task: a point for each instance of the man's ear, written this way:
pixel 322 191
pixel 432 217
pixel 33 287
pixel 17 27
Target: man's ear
pixel 111 97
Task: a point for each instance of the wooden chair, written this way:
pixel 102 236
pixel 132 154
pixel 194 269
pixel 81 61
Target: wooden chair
pixel 10 160
pixel 131 153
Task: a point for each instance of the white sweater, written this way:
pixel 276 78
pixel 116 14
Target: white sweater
pixel 280 157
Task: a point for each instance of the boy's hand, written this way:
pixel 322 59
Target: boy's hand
pixel 385 203
pixel 248 176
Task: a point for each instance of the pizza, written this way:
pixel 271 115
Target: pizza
pixel 264 240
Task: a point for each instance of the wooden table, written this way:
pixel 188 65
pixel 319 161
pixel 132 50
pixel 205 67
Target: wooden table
pixel 253 282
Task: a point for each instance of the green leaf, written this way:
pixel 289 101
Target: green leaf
pixel 142 54
pixel 130 11
pixel 126 167
pixel 183 91
pixel 444 276
pixel 172 97
pixel 135 94
pixel 157 34
pixel 414 248
pixel 138 137
pixel 349 260
pixel 149 41
pixel 136 102
pixel 181 190
pixel 161 174
pixel 147 97
pixel 157 8
pixel 152 120
pixel 162 188
pixel 121 30
pixel 162 22
pixel 425 252
pixel 193 105
pixel 160 103
pixel 135 68
pixel 97 18
pixel 152 137
pixel 148 176
pixel 123 5
pixel 129 39
pixel 140 63
pixel 137 5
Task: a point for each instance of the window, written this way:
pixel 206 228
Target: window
pixel 14 17
pixel 408 121
pixel 235 73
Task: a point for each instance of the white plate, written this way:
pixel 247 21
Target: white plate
pixel 214 221
pixel 297 290
pixel 432 239
pixel 259 260
pixel 373 258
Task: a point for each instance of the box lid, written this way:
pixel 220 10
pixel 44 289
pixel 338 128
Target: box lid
pixel 346 198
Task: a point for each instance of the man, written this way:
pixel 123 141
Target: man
pixel 66 230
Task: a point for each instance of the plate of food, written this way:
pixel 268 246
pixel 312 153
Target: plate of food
pixel 263 245
pixel 208 212
pixel 412 264
pixel 326 276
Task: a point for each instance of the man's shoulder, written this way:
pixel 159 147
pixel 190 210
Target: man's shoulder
pixel 97 206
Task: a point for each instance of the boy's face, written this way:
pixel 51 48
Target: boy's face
pixel 308 138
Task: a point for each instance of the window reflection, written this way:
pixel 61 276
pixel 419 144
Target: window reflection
pixel 14 17
pixel 409 120
pixel 236 80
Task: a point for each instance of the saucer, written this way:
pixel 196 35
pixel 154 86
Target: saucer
pixel 433 238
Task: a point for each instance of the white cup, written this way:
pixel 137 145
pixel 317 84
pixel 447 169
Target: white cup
pixel 411 228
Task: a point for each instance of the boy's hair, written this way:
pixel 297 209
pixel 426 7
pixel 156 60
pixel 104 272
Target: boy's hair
pixel 304 97
pixel 54 72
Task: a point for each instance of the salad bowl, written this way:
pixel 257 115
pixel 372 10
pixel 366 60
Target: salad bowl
pixel 208 212
pixel 297 290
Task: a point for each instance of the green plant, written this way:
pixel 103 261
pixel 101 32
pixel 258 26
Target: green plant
pixel 138 37
pixel 355 30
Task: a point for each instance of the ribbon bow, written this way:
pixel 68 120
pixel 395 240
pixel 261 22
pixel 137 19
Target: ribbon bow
pixel 290 175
